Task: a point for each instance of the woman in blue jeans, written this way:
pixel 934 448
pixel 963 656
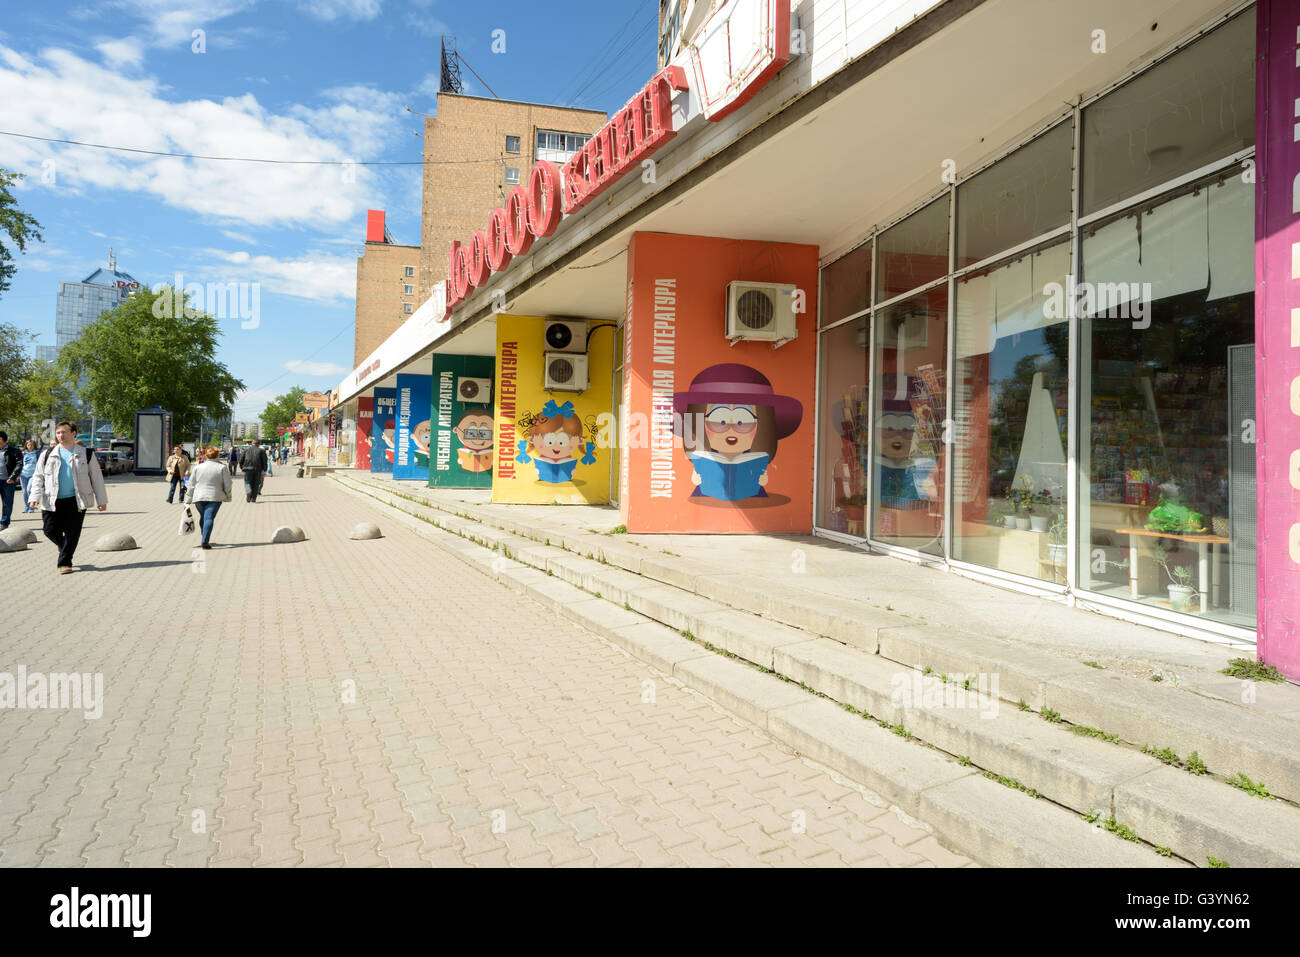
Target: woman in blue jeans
pixel 209 486
pixel 31 455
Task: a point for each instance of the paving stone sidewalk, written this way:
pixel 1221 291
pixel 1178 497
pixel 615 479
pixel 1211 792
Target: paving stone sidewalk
pixel 338 702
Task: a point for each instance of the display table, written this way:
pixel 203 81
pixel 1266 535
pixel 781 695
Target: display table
pixel 1209 570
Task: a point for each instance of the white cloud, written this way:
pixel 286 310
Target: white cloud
pixel 120 52
pixel 329 10
pixel 351 124
pixel 316 277
pixel 307 367
pixel 239 237
pixel 248 405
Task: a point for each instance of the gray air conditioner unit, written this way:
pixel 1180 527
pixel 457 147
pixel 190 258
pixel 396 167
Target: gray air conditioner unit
pixel 565 372
pixel 565 335
pixel 761 312
pixel 474 390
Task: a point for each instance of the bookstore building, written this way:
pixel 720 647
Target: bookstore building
pixel 1066 364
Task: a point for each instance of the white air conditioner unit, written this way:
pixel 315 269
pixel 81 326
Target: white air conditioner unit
pixel 761 311
pixel 565 372
pixel 566 335
pixel 474 390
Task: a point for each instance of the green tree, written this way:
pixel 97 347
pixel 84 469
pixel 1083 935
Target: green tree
pixel 139 355
pixel 279 412
pixel 14 366
pixel 43 393
pixel 20 227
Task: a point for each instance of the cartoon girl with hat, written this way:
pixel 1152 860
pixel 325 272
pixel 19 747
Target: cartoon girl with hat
pixel 730 421
pixel 555 436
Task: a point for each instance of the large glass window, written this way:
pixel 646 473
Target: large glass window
pixel 908 406
pixel 914 252
pixel 843 447
pixel 846 286
pixel 1017 199
pixel 1010 420
pixel 1167 460
pixel 1193 109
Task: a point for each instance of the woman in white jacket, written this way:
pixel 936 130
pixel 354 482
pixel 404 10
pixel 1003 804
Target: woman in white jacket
pixel 209 486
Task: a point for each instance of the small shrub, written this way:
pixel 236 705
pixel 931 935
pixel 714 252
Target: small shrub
pixel 1253 670
pixel 1194 764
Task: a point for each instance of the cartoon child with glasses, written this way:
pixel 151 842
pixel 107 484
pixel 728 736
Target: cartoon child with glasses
pixel 730 421
pixel 474 429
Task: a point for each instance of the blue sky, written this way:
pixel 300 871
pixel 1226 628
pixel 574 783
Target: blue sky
pixel 286 79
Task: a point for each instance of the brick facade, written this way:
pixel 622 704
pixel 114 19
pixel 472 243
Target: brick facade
pixel 466 163
pixel 381 296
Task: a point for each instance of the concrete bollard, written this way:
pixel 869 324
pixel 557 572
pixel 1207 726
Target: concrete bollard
pixel 285 534
pixel 14 540
pixel 115 542
pixel 366 530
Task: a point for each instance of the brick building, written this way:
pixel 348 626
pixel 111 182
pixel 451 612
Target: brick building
pixel 475 150
pixel 386 287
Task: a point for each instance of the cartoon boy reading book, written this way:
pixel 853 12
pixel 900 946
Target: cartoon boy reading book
pixel 730 421
pixel 474 429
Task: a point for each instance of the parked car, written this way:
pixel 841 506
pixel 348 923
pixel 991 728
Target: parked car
pixel 106 462
pixel 124 460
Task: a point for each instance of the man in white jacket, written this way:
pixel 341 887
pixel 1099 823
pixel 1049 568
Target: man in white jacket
pixel 67 482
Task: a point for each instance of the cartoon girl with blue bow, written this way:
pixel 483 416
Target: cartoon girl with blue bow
pixel 555 436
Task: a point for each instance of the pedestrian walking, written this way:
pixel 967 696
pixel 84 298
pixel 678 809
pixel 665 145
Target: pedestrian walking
pixel 11 469
pixel 234 459
pixel 31 455
pixel 67 481
pixel 210 485
pixel 253 462
pixel 178 466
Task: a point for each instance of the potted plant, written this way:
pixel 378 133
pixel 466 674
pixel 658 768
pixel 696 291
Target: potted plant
pixel 1041 516
pixel 1056 537
pixel 1022 499
pixel 1181 591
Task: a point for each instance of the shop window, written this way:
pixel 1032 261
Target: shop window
pixel 914 252
pixel 1167 460
pixel 1196 107
pixel 846 286
pixel 1010 421
pixel 909 410
pixel 844 448
pixel 512 144
pixel 1018 198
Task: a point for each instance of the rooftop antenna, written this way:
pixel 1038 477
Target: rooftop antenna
pixel 112 260
pixel 449 81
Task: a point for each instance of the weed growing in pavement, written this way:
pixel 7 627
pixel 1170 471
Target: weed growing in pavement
pixel 1010 783
pixel 964 761
pixel 666 552
pixel 551 573
pixel 597 594
pixel 1022 706
pixel 967 682
pixel 1253 670
pixel 1165 755
pixel 1090 732
pixel 1091 817
pixel 1164 851
pixel 687 635
pixel 1215 862
pixel 927 670
pixel 943 678
pixel 626 606
pixel 1250 787
pixel 1195 765
pixel 617 530
pixel 1093 664
pixel 1047 714
pixel 1121 830
pixel 898 729
pixel 1157 677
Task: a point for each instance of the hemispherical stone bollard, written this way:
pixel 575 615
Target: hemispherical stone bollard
pixel 13 541
pixel 366 530
pixel 285 534
pixel 26 535
pixel 299 534
pixel 115 542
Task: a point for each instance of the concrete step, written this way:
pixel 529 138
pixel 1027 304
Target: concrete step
pixel 1076 773
pixel 1229 737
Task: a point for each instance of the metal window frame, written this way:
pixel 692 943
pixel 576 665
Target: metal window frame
pixel 1072 591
